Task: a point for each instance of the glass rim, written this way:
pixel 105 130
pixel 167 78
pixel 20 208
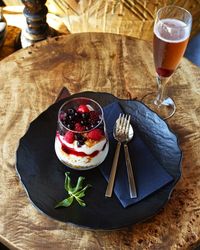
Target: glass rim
pixel 177 7
pixel 78 98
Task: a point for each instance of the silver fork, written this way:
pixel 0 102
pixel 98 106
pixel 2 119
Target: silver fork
pixel 118 133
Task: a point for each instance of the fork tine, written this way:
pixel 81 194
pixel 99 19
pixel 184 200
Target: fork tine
pixel 127 125
pixel 123 124
pixel 118 123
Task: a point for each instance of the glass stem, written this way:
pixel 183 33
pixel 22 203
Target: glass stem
pixel 161 83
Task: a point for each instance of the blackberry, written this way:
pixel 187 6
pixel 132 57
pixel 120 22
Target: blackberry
pixel 85 116
pixel 76 115
pixel 71 114
pixel 80 139
pixel 80 143
pixel 84 122
pixel 71 111
pixel 78 136
pixel 88 127
pixel 70 117
pixel 70 126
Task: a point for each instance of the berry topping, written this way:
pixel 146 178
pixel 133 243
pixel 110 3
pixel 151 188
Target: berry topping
pixel 80 139
pixel 70 125
pixel 85 115
pixel 83 109
pixel 95 134
pixel 80 121
pixel 79 127
pixel 83 122
pixel 95 118
pixel 71 111
pixel 94 115
pixel 69 137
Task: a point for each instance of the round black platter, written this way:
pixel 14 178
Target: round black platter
pixel 42 174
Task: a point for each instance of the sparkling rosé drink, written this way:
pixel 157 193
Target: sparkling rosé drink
pixel 81 141
pixel 172 28
pixel 170 41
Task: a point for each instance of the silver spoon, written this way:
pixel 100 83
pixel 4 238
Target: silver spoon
pixel 117 136
pixel 131 179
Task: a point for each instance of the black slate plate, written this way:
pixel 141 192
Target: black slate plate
pixel 42 174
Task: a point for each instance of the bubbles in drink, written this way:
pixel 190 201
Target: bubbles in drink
pixel 171 30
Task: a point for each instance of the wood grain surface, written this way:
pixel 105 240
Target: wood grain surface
pixel 30 81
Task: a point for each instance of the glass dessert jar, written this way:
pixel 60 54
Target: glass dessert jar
pixel 81 141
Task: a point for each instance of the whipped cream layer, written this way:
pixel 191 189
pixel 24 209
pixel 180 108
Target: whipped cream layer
pixel 95 154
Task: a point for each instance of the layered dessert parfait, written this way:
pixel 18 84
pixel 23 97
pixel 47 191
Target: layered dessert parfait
pixel 81 141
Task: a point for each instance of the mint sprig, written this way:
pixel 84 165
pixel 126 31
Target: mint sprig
pixel 76 192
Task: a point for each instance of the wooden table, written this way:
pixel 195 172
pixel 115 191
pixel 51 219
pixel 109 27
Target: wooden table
pixel 15 23
pixel 30 81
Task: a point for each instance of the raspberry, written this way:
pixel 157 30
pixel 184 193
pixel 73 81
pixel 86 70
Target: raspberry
pixel 95 134
pixel 83 109
pixel 79 127
pixel 69 137
pixel 94 118
pixel 94 115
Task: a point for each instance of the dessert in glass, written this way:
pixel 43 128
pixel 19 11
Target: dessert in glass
pixel 81 141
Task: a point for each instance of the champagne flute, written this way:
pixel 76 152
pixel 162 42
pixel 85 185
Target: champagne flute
pixel 171 34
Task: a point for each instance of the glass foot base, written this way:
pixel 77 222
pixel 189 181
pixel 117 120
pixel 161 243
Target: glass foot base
pixel 166 110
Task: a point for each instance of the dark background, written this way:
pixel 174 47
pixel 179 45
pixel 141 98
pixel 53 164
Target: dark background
pixel 2 247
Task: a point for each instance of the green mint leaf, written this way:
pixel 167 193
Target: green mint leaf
pixel 80 195
pixel 76 192
pixel 82 190
pixel 80 201
pixel 67 182
pixel 66 202
pixel 79 184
